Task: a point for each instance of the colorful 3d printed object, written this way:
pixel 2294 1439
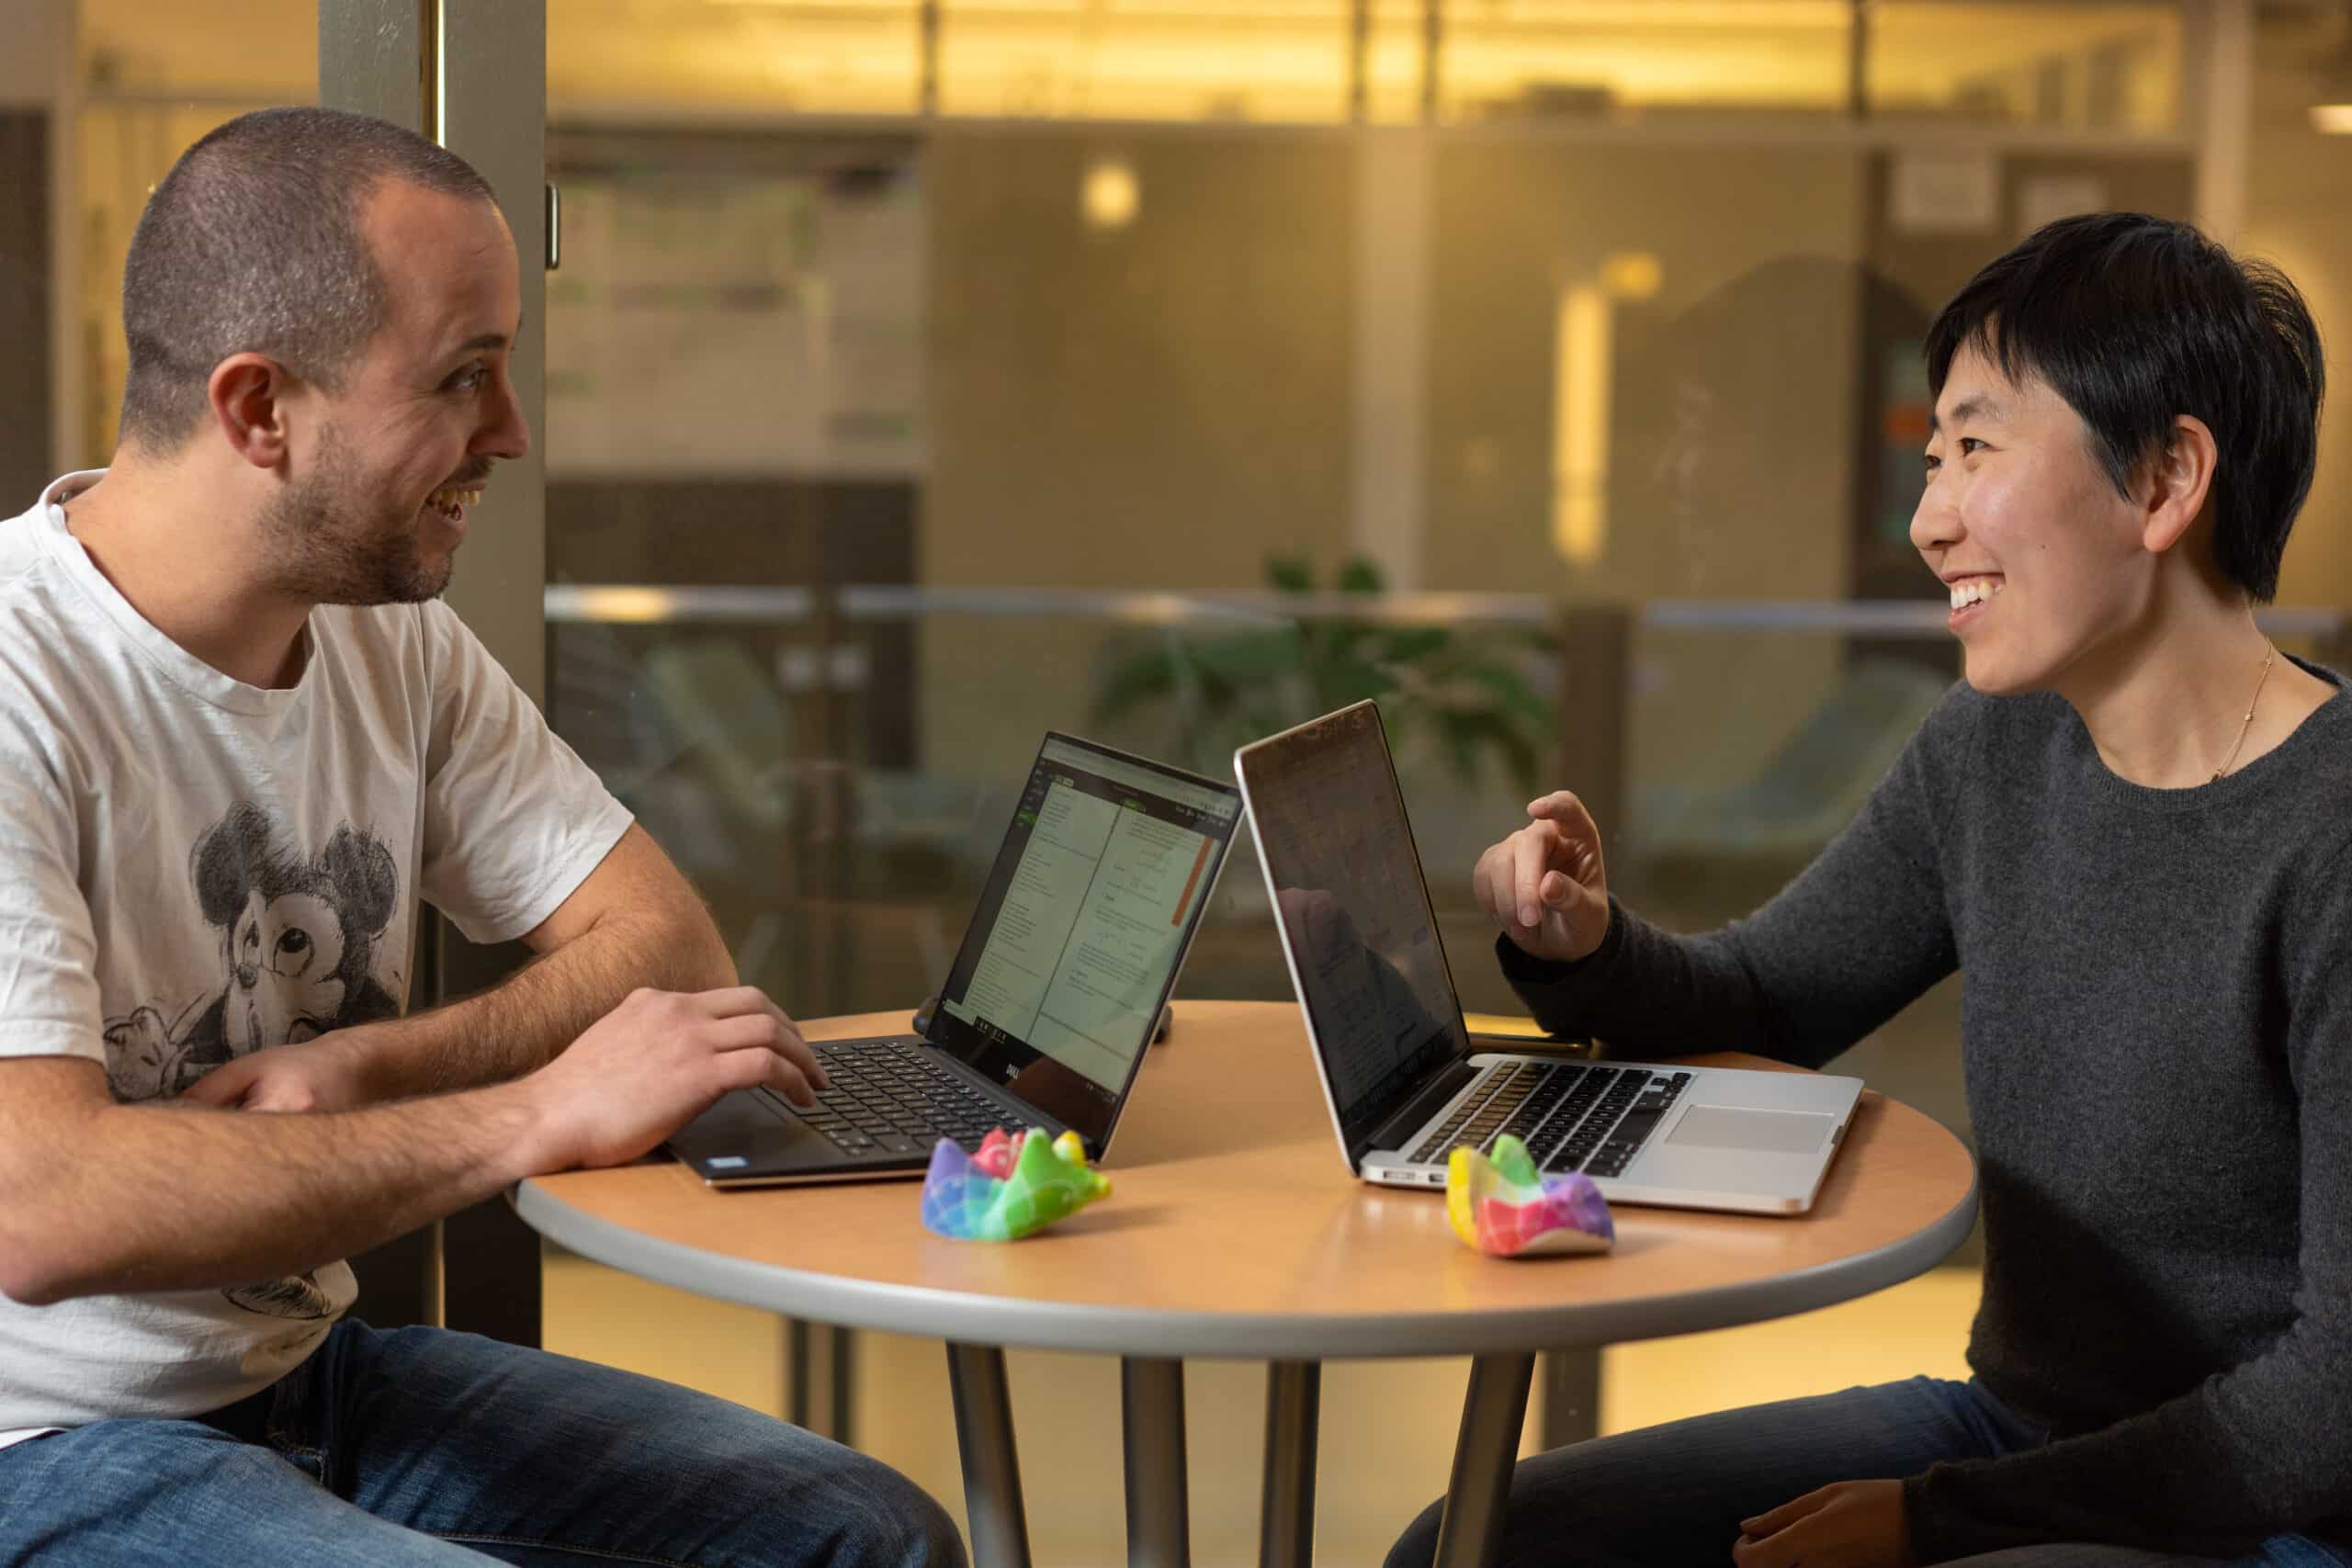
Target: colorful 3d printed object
pixel 1501 1206
pixel 1011 1187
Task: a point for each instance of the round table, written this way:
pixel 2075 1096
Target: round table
pixel 1236 1230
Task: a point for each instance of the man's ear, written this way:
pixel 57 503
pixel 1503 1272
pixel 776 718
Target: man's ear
pixel 2180 482
pixel 249 393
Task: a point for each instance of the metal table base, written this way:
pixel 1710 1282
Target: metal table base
pixel 1160 1525
pixel 1493 1412
pixel 992 1509
pixel 1294 1413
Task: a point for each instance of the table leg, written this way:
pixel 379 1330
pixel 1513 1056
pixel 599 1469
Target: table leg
pixel 1286 1517
pixel 823 1379
pixel 1493 1412
pixel 991 1465
pixel 1571 1407
pixel 1158 1506
pixel 796 1402
pixel 841 1351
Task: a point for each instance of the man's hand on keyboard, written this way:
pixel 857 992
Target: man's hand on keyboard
pixel 657 1061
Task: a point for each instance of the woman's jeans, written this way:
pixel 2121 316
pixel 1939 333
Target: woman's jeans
pixel 1675 1494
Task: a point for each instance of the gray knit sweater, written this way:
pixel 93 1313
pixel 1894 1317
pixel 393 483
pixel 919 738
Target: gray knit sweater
pixel 2157 1034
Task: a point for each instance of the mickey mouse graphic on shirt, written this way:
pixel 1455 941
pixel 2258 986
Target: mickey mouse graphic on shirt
pixel 297 941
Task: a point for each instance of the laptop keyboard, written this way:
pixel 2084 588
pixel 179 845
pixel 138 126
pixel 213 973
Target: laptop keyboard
pixel 889 1098
pixel 1570 1115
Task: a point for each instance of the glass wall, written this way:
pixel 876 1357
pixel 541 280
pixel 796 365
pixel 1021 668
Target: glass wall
pixel 1227 59
pixel 1569 58
pixel 155 78
pixel 716 59
pixel 1110 393
pixel 2108 64
pixel 2105 67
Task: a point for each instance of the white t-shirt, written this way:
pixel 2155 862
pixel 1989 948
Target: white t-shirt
pixel 192 868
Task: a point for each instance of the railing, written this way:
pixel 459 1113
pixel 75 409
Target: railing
pixel 630 604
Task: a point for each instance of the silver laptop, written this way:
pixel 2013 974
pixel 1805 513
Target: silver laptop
pixel 1095 897
pixel 1406 1081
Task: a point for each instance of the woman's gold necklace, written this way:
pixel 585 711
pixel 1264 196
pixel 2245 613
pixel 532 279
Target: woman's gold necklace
pixel 2247 723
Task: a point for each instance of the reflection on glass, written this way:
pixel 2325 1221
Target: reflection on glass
pixel 735 306
pixel 1583 58
pixel 159 49
pixel 1355 911
pixel 906 439
pixel 1395 62
pixel 2100 66
pixel 1268 60
pixel 156 77
pixel 700 59
pixel 1580 437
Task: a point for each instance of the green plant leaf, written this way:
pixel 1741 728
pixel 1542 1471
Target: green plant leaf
pixel 1512 692
pixel 1134 681
pixel 1290 574
pixel 1409 644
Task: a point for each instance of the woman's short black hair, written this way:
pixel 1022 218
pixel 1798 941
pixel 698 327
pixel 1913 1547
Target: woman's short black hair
pixel 2135 321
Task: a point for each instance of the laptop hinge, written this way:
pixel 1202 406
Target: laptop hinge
pixel 1392 1133
pixel 1053 1125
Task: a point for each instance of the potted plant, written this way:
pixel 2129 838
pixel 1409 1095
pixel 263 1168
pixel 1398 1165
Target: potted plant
pixel 1458 693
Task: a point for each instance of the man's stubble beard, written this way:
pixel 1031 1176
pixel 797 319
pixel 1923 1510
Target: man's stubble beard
pixel 325 547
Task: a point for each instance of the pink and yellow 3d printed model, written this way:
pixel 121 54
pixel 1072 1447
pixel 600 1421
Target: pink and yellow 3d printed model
pixel 1503 1207
pixel 1010 1188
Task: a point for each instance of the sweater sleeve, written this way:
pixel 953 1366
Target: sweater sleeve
pixel 2262 1449
pixel 1863 930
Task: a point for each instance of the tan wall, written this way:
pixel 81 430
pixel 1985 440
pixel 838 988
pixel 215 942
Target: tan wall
pixel 1516 220
pixel 37 55
pixel 162 44
pixel 2297 217
pixel 1161 404
pixel 1160 408
pixel 1155 407
pixel 1762 503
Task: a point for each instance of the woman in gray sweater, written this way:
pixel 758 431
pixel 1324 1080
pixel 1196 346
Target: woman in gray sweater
pixel 2130 827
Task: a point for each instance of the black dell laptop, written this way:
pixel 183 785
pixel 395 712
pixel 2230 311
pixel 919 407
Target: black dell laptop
pixel 1094 899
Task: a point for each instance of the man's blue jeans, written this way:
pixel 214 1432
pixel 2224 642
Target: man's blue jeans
pixel 1675 1494
pixel 423 1447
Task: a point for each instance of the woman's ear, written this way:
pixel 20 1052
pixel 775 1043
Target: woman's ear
pixel 2180 482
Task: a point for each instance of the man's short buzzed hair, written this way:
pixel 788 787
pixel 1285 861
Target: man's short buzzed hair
pixel 252 245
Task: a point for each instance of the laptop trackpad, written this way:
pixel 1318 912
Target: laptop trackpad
pixel 1754 1132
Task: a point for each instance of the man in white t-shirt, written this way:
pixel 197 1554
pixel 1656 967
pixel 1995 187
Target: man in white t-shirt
pixel 239 741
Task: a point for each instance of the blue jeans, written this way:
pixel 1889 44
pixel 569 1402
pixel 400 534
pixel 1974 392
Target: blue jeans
pixel 423 1447
pixel 1675 1493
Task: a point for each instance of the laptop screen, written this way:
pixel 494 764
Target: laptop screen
pixel 1082 925
pixel 1354 912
